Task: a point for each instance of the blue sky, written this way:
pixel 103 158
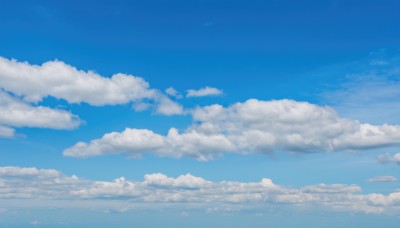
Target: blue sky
pixel 215 113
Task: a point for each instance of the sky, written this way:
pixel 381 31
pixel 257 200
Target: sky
pixel 199 113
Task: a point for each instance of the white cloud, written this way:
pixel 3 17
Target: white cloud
pixel 183 181
pixel 6 132
pixel 250 127
pixel 16 113
pixel 135 142
pixel 388 158
pixel 167 106
pixel 382 179
pixel 172 92
pixel 42 185
pixel 205 91
pixel 60 80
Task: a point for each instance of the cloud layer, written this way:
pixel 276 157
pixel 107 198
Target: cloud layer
pixel 250 127
pixel 45 184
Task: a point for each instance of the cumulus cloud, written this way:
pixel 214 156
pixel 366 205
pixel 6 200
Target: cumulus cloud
pixel 43 184
pixel 60 80
pixel 250 127
pixel 389 158
pixel 382 179
pixel 167 106
pixel 135 142
pixel 205 91
pixel 17 113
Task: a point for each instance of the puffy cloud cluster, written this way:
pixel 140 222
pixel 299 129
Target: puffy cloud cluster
pixel 60 80
pixel 250 127
pixel 23 85
pixel 57 79
pixel 135 142
pixel 17 113
pixel 203 92
pixel 32 183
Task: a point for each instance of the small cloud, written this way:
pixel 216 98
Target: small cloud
pixel 141 106
pixel 205 91
pixel 382 179
pixel 35 222
pixel 172 92
pixel 389 158
pixel 184 214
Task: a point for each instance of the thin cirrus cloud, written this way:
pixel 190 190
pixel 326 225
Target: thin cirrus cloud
pixel 382 179
pixel 186 190
pixel 251 127
pixel 375 82
pixel 17 113
pixel 62 81
pixel 203 92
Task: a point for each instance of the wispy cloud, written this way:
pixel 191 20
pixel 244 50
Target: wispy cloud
pixel 371 92
pixel 173 92
pixel 382 179
pixel 203 92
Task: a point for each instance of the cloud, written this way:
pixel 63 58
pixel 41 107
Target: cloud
pixel 370 89
pixel 62 81
pixel 172 92
pixel 183 181
pixel 135 142
pixel 205 91
pixel 17 113
pixel 18 183
pixel 6 132
pixel 167 106
pixel 388 158
pixel 251 127
pixel 382 179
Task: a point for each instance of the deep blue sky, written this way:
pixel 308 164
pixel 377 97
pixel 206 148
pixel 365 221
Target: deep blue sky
pixel 201 42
